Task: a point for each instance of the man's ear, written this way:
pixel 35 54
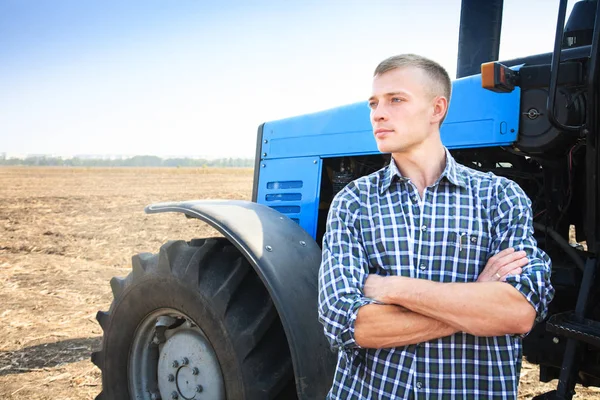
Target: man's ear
pixel 440 108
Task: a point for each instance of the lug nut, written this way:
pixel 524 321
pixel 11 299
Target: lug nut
pixel 155 396
pixel 175 364
pixel 195 371
pixel 171 377
pixel 199 388
pixel 555 340
pixel 174 395
pixel 185 361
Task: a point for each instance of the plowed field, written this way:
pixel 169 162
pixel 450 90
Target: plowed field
pixel 64 232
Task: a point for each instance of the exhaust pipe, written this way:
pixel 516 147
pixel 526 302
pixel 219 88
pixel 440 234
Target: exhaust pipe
pixel 479 35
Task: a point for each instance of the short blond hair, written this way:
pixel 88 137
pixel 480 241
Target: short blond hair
pixel 441 82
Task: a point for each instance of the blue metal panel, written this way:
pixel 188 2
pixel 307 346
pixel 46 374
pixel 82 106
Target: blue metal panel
pixel 479 117
pixel 476 118
pixel 342 130
pixel 291 186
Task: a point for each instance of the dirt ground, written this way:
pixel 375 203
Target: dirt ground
pixel 64 232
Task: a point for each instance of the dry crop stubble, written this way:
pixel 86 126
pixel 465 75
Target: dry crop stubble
pixel 64 232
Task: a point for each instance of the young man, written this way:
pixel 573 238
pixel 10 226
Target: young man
pixel 430 273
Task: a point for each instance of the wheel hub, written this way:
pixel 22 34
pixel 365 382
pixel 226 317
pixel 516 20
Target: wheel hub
pixel 183 365
pixel 187 365
pixel 187 383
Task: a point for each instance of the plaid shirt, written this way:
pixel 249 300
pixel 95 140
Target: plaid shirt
pixel 378 224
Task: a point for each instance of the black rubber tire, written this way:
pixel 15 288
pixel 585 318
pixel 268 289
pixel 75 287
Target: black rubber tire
pixel 212 283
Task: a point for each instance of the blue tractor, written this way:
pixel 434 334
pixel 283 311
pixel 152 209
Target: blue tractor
pixel 236 317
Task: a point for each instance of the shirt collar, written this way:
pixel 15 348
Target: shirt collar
pixel 451 172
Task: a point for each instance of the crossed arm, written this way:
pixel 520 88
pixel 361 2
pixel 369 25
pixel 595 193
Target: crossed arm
pixel 418 310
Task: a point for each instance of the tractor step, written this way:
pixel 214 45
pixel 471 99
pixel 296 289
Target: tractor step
pixel 567 325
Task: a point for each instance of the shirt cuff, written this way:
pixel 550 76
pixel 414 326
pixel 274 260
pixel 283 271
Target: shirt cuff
pixel 346 338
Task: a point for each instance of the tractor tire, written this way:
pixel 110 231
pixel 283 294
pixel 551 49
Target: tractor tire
pixel 193 322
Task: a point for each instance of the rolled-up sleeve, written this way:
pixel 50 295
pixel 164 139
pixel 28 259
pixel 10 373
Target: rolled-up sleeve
pixel 343 271
pixel 513 224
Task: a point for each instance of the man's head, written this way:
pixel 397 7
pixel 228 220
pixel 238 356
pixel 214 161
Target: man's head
pixel 409 102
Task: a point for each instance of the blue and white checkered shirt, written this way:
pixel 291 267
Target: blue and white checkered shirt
pixel 378 224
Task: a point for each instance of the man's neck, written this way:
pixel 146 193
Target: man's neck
pixel 423 165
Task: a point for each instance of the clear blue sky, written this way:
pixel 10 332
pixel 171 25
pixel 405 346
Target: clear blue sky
pixel 182 77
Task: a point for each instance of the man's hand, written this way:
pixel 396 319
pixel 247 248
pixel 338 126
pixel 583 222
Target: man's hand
pixel 507 262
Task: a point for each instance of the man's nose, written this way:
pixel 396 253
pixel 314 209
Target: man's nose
pixel 379 113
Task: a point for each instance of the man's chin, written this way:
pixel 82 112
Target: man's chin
pixel 383 148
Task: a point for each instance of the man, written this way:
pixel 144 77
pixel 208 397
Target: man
pixel 430 273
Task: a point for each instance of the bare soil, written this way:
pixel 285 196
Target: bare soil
pixel 64 232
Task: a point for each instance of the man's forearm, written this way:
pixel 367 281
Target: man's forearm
pixel 479 308
pixel 381 326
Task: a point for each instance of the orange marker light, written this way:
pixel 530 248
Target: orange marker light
pixel 498 78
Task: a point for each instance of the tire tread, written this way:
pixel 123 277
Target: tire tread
pixel 222 276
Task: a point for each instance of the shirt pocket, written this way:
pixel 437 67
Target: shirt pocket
pixel 469 254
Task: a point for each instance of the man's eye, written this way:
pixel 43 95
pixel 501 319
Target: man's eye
pixel 396 99
pixel 372 104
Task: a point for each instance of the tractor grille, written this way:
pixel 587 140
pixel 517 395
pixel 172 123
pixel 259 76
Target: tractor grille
pixel 283 198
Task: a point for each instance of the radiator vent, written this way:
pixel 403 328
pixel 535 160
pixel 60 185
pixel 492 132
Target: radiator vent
pixel 284 185
pixel 284 197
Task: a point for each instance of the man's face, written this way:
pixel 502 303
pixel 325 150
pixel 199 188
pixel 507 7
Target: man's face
pixel 402 109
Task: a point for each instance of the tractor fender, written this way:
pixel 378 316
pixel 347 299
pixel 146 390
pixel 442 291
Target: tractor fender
pixel 287 260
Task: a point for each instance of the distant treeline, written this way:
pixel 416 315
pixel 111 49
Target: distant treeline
pixel 136 161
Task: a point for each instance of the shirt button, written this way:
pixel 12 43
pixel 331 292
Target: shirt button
pixel 473 239
pixel 415 199
pixel 423 267
pixel 424 228
pixel 419 385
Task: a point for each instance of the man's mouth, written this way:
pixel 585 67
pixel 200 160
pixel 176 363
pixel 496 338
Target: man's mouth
pixel 380 132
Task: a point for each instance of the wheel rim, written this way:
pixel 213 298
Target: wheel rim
pixel 171 358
